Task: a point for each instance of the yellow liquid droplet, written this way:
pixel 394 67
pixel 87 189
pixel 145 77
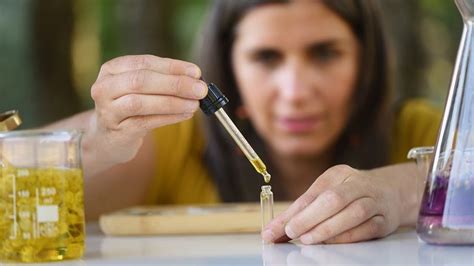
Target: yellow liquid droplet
pixel 261 169
pixel 266 177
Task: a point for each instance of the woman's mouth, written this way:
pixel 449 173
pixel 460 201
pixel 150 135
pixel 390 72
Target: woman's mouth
pixel 299 125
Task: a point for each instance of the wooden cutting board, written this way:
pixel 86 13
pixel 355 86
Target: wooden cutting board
pixel 186 219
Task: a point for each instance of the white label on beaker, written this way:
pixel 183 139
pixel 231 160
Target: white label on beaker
pixel 47 213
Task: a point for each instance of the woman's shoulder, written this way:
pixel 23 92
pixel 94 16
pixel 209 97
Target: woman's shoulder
pixel 416 117
pixel 416 124
pixel 185 127
pixel 418 109
pixel 181 137
pixel 181 176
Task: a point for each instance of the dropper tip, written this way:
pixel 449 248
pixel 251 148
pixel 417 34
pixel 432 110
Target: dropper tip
pixel 266 177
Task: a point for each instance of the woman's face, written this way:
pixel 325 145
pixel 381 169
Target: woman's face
pixel 296 67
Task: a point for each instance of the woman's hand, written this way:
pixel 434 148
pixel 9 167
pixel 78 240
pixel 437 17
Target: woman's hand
pixel 349 205
pixel 135 94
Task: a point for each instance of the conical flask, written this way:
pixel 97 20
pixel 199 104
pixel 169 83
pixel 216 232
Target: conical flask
pixel 447 209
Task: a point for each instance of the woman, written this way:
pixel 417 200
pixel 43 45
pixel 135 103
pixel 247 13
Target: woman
pixel 307 82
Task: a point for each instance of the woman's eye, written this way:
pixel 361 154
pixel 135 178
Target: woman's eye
pixel 267 57
pixel 324 54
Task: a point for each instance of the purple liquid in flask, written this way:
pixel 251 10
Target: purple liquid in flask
pixel 433 202
pixel 435 224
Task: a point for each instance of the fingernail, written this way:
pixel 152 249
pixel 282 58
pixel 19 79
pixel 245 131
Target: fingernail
pixel 267 236
pixel 289 232
pixel 200 89
pixel 193 72
pixel 306 239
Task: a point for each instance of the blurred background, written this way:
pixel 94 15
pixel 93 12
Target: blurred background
pixel 51 50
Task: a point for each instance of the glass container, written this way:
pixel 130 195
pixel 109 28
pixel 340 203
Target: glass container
pixel 41 196
pixel 266 204
pixel 447 209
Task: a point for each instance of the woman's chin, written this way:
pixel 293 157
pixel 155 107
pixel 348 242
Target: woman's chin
pixel 301 150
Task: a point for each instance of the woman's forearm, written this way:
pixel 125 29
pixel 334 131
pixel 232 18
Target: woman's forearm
pixel 91 160
pixel 109 186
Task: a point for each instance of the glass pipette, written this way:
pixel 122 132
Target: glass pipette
pixel 212 104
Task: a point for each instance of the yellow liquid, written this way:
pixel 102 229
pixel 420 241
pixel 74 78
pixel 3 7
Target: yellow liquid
pixel 261 169
pixel 52 231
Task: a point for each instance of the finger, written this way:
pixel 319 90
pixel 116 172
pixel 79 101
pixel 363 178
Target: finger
pixel 150 62
pixel 147 123
pixel 373 228
pixel 275 230
pixel 142 105
pixel 148 82
pixel 324 206
pixel 350 217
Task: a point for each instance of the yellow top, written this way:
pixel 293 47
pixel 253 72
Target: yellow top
pixel 182 177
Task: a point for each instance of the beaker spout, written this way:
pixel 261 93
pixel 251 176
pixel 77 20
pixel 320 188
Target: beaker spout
pixel 422 157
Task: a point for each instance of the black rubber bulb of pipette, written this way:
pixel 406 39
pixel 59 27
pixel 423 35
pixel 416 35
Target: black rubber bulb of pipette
pixel 213 101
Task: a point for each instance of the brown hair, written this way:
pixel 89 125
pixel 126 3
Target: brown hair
pixel 364 142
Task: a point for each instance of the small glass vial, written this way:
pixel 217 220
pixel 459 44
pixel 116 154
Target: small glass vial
pixel 266 204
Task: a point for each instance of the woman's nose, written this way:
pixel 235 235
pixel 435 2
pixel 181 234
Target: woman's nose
pixel 294 82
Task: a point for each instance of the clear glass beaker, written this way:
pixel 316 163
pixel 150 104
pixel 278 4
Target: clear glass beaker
pixel 41 196
pixel 423 157
pixel 447 209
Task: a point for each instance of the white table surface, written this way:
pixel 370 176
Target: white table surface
pixel 400 248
